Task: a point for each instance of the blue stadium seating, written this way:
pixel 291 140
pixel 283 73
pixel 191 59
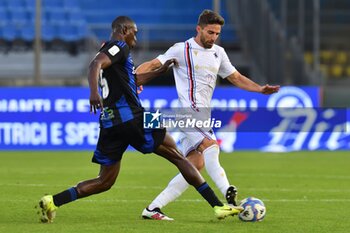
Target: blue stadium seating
pixel 29 4
pixel 48 32
pixel 71 33
pixel 75 17
pixel 9 32
pixel 15 4
pixel 52 4
pixel 3 4
pixel 71 5
pixel 155 16
pixel 56 17
pixel 71 20
pixel 27 32
pixel 67 32
pixel 3 17
pixel 19 17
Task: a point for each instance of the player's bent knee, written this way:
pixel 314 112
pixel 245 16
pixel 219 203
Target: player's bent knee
pixel 196 159
pixel 206 143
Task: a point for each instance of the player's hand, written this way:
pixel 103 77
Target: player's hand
pixel 139 89
pixel 95 102
pixel 268 90
pixel 167 65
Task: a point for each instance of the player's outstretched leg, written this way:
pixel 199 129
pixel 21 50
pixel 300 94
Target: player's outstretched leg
pixel 211 150
pixel 231 195
pixel 169 151
pixel 105 180
pixel 222 212
pixel 175 188
pixel 155 214
pixel 48 209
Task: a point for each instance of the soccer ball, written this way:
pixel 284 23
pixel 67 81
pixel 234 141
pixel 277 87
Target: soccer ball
pixel 254 210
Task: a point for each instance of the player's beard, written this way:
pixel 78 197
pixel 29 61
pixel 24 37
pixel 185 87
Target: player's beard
pixel 205 43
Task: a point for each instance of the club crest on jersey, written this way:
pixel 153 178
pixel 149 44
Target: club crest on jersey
pixel 215 55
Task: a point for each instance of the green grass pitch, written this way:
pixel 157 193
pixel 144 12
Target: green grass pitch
pixel 303 192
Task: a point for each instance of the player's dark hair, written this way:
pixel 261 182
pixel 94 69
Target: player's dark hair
pixel 210 17
pixel 120 22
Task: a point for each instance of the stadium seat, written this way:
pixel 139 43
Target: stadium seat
pixel 19 17
pixel 15 4
pixel 9 32
pixel 76 17
pixel 4 18
pixel 337 71
pixel 29 5
pixel 326 56
pixel 48 32
pixel 52 4
pixel 308 57
pixel 27 32
pixel 68 33
pixel 341 57
pixel 56 17
pixel 3 4
pixel 71 5
pixel 32 17
pixel 83 32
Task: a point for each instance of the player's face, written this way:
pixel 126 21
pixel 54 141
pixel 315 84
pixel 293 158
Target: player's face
pixel 209 34
pixel 130 37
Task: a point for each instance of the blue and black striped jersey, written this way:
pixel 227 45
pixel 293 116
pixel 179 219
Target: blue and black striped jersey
pixel 118 86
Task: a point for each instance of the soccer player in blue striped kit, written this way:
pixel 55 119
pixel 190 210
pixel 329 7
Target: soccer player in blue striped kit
pixel 121 124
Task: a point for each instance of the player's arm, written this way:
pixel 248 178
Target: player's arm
pixel 148 66
pixel 150 73
pixel 247 84
pixel 100 61
pixel 158 65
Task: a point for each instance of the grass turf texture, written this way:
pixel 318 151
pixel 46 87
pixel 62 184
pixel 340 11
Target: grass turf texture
pixel 303 192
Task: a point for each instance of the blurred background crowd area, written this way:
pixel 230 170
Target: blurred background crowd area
pixel 286 42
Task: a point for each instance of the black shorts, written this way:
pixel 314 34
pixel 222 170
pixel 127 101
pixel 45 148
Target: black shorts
pixel 113 142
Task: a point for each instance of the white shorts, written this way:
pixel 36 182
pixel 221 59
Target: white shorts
pixel 191 140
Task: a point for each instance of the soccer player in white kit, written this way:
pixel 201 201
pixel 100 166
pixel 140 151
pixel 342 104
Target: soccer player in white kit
pixel 200 61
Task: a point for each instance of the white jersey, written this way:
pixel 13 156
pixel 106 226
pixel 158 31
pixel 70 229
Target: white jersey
pixel 196 75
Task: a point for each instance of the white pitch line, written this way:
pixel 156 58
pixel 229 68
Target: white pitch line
pixel 336 177
pixel 186 200
pixel 329 190
pixel 201 200
pixel 67 185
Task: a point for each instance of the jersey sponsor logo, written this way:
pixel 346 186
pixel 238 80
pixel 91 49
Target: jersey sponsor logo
pixel 113 50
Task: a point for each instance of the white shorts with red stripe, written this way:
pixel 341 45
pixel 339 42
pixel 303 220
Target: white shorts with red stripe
pixel 190 140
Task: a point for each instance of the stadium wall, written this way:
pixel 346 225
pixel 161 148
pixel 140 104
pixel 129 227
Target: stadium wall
pixel 58 118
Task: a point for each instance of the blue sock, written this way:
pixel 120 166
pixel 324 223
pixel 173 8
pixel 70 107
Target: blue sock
pixel 209 195
pixel 65 197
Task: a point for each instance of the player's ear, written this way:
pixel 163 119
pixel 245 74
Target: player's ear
pixel 125 29
pixel 198 28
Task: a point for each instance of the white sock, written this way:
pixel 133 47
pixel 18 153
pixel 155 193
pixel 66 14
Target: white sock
pixel 214 169
pixel 175 188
